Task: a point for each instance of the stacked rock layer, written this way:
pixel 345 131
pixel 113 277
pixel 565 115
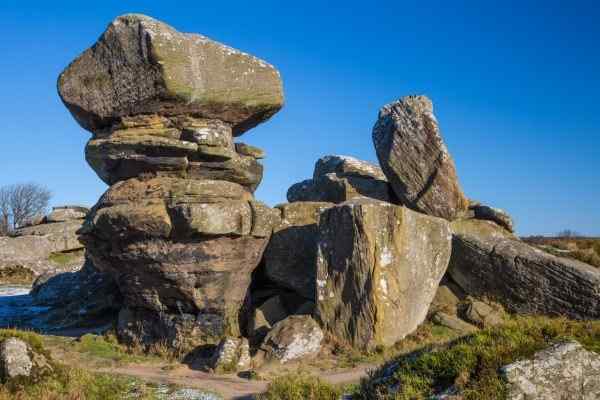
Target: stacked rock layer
pixel 179 228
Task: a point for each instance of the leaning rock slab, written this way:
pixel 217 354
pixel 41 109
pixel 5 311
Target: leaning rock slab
pixel 173 73
pixel 524 279
pixel 378 269
pixel 564 371
pixel 415 159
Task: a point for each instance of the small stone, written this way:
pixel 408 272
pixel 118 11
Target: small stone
pixel 15 360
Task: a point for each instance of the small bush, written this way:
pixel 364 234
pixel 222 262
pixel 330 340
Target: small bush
pixel 300 386
pixel 471 364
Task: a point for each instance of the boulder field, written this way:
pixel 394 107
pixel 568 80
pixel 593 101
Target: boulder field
pixel 359 256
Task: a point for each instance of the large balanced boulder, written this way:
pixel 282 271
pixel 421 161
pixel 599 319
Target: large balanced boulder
pixel 563 371
pixel 340 178
pixel 290 256
pixel 522 278
pixel 415 159
pixel 143 66
pixel 179 230
pixel 378 269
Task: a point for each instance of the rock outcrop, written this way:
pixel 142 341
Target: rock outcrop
pixel 290 257
pixel 563 371
pixel 522 278
pixel 48 247
pixel 179 229
pixel 340 178
pixel 415 159
pixel 378 269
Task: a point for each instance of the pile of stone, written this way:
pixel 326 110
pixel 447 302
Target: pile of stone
pixel 179 229
pixel 358 256
pixel 29 249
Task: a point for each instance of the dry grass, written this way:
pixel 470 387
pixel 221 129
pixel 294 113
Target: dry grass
pixel 586 250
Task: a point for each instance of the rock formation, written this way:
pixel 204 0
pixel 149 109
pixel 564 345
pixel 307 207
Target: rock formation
pixel 415 159
pixel 522 278
pixel 378 269
pixel 179 229
pixel 29 252
pixel 340 178
pixel 563 371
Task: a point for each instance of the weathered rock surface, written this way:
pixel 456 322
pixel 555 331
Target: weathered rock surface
pixel 524 279
pixel 14 359
pixel 290 257
pixel 232 354
pixel 265 316
pixel 62 236
pixel 172 73
pixel 295 338
pixel 66 213
pixel 453 322
pixel 340 178
pixel 415 159
pixel 563 371
pixel 85 298
pixel 378 269
pixel 482 314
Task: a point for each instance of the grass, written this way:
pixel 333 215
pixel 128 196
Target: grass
pixel 16 275
pixel 65 382
pixel 65 258
pixel 586 250
pixel 300 386
pixel 471 363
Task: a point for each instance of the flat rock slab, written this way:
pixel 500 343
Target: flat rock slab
pixel 173 73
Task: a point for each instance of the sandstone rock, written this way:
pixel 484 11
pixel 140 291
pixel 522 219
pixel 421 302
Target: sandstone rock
pixel 447 298
pixel 496 215
pixel 232 354
pixel 480 228
pixel 15 359
pixel 453 322
pixel 265 316
pixel 415 159
pixel 61 235
pixel 291 253
pixel 378 269
pixel 248 150
pixel 523 279
pixel 173 74
pixel 85 298
pixel 295 338
pixel 563 371
pixel 66 213
pixel 340 178
pixel 482 314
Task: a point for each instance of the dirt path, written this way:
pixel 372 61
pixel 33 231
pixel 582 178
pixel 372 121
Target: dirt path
pixel 228 386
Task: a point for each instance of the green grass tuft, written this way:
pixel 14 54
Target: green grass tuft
pixel 471 363
pixel 300 386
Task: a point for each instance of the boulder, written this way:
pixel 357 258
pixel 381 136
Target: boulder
pixel 265 316
pixel 413 156
pixel 15 359
pixel 291 253
pixel 453 322
pixel 61 235
pixel 524 279
pixel 482 314
pixel 340 178
pixel 563 371
pixel 173 74
pixel 66 213
pixel 496 215
pixel 81 299
pixel 231 355
pixel 378 269
pixel 447 298
pixel 295 338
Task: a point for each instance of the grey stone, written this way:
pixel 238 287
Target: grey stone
pixel 453 322
pixel 415 159
pixel 295 338
pixel 563 371
pixel 173 73
pixel 15 359
pixel 66 213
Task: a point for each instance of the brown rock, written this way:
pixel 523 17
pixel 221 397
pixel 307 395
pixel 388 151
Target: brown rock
pixel 415 159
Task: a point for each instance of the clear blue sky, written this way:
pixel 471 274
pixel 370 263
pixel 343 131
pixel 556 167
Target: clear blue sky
pixel 515 87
